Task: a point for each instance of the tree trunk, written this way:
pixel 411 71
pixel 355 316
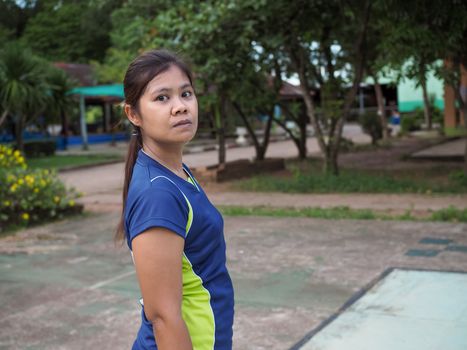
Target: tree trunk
pixel 3 117
pixel 259 152
pixel 220 133
pixel 288 131
pixel 464 112
pixel 462 102
pixel 331 165
pixel 465 157
pixel 302 153
pixel 221 142
pixel 381 108
pixel 359 65
pixel 301 122
pixel 426 104
pixel 310 108
pixel 267 134
pixel 19 126
pixel 64 129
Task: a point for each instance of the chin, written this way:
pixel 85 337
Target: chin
pixel 185 138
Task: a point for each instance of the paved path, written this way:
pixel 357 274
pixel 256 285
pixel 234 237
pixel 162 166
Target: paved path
pixel 102 186
pixel 66 286
pixel 452 149
pixel 102 179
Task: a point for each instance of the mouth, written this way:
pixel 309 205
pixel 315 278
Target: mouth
pixel 182 122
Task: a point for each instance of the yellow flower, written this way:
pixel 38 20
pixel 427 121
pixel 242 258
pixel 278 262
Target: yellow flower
pixel 9 152
pixel 36 190
pixel 29 179
pixel 6 203
pixel 17 153
pixel 56 199
pixel 20 182
pixel 71 203
pixel 13 188
pixel 25 216
pixel 42 183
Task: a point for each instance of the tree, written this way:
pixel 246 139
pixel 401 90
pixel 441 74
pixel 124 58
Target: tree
pixel 72 31
pixel 327 52
pixel 432 31
pixel 376 63
pixel 218 42
pixel 14 15
pixel 131 31
pixel 451 45
pixel 60 102
pixel 413 44
pixel 23 87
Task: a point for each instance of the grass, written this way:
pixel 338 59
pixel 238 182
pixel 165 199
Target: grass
pixel 310 179
pixel 450 214
pixel 71 161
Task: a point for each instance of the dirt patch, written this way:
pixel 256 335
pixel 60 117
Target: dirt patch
pixel 394 156
pixel 390 160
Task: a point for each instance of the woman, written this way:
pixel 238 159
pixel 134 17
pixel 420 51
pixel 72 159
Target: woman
pixel 174 233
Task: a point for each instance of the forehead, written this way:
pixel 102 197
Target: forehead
pixel 172 78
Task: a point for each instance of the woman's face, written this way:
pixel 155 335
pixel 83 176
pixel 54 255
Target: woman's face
pixel 168 109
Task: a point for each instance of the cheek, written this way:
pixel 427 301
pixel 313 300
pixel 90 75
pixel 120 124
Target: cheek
pixel 194 109
pixel 154 124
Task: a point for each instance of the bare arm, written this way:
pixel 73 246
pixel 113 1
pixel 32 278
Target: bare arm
pixel 158 260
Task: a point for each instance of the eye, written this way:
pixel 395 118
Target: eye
pixel 162 98
pixel 187 94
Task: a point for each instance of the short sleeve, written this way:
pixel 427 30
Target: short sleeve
pixel 156 207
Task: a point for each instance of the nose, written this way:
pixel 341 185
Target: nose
pixel 179 107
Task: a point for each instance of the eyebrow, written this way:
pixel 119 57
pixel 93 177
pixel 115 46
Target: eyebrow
pixel 164 89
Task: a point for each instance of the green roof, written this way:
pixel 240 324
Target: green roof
pixel 115 90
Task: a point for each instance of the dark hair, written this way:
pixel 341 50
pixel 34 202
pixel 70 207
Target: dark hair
pixel 140 72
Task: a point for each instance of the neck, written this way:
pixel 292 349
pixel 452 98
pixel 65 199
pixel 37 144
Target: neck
pixel 168 155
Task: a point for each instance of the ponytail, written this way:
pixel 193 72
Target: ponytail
pixel 133 148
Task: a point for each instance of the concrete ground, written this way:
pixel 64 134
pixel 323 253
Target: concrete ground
pixel 453 149
pixel 66 286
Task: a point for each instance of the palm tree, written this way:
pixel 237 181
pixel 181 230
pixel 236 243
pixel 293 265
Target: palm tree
pixel 23 87
pixel 60 104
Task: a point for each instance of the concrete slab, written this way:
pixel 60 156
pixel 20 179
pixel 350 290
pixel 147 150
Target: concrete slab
pixel 451 150
pixel 407 309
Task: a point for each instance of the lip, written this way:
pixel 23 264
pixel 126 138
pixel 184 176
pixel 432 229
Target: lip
pixel 182 122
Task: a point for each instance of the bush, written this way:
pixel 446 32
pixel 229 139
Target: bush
pixel 30 196
pixel 371 125
pixel 458 178
pixel 37 148
pixel 410 123
pixel 346 145
pixel 437 116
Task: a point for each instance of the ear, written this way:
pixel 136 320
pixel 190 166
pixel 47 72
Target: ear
pixel 132 116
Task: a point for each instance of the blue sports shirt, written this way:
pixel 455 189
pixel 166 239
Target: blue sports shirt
pixel 159 198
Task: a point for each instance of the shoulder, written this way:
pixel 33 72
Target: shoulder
pixel 156 191
pixel 157 203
